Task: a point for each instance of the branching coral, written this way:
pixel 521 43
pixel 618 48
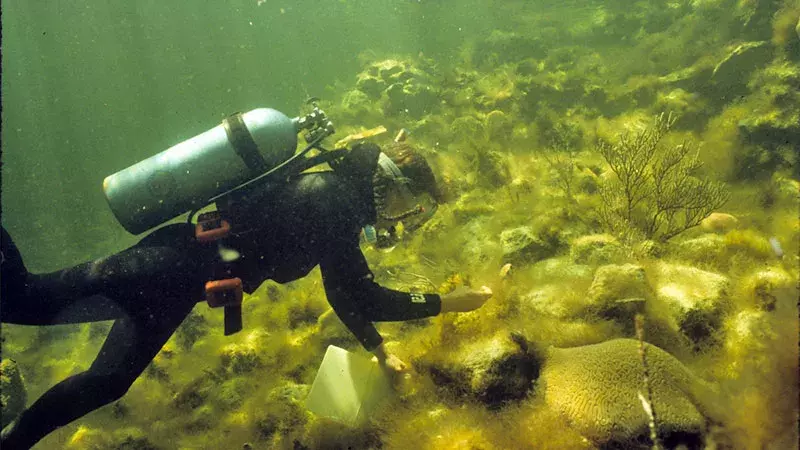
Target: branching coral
pixel 655 191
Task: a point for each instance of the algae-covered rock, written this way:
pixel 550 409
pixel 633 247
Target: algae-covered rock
pixel 412 99
pixel 357 104
pixel 694 78
pixel 772 126
pixel 618 293
pixel 554 300
pixel 702 249
pixel 596 387
pixel 797 29
pixel 775 126
pixel 697 300
pixel 595 249
pixel 522 246
pixel 733 71
pixel 243 357
pixel 121 439
pixel 689 109
pixel 492 169
pixel 370 85
pixel 13 395
pixel 767 287
pixel 750 337
pixel 283 410
pixel 499 126
pixel 719 223
pixel 193 328
pixel 402 87
pixel 613 283
pixel 492 370
pixel 467 129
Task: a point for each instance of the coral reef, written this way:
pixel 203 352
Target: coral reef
pixel 596 387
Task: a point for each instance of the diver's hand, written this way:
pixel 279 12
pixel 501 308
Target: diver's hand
pixel 389 362
pixel 464 299
pixel 394 365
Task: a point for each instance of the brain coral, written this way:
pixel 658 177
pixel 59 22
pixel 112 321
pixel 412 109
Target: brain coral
pixel 596 388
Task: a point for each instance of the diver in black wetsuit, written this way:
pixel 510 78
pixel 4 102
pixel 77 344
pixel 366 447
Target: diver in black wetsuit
pixel 280 233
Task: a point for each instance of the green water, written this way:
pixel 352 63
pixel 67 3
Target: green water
pixel 90 88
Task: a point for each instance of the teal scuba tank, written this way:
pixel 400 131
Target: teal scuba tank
pixel 185 176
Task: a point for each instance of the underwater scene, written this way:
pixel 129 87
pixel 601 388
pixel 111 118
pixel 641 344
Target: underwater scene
pixel 531 224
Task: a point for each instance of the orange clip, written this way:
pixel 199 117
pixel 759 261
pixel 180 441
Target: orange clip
pixel 211 227
pixel 224 292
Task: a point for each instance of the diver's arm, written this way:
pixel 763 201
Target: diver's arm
pixel 464 299
pixel 358 300
pixel 337 290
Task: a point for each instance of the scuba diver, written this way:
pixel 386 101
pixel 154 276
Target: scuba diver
pixel 277 230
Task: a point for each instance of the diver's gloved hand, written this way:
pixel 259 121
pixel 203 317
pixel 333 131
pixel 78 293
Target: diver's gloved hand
pixel 464 299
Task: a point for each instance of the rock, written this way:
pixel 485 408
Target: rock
pixel 244 357
pixel 193 328
pixel 697 300
pixel 492 169
pixel 407 88
pixel 468 207
pixel 357 103
pixel 522 246
pixel 614 283
pixel 689 109
pixel 493 371
pixel 776 127
pixel 767 288
pixel 595 249
pixel 284 410
pixel 694 78
pixel 13 395
pixel 719 223
pixel 797 28
pixel 596 387
pixel 731 74
pixel 370 85
pixel 587 181
pixel 412 99
pixel 546 300
pixel 750 243
pixel 707 248
pixel 750 343
pixel 499 126
pixel 467 129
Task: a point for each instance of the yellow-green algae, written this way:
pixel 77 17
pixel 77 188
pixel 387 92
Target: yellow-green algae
pixel 506 125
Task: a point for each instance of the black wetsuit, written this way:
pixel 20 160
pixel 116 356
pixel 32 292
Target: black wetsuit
pixel 282 232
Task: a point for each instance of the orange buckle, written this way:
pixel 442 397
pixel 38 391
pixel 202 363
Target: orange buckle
pixel 224 292
pixel 211 227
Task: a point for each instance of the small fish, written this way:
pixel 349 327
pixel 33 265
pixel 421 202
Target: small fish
pixel 776 247
pixel 505 271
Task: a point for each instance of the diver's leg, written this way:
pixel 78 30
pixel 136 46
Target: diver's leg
pixel 130 346
pixel 169 258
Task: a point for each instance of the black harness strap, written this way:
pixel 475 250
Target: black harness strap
pixel 242 141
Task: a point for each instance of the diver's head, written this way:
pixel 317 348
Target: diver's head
pixel 404 190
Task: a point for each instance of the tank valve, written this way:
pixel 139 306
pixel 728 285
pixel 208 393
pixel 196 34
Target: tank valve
pixel 316 124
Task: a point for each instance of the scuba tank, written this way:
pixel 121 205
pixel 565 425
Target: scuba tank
pixel 190 174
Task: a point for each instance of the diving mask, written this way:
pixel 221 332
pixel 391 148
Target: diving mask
pixel 401 204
